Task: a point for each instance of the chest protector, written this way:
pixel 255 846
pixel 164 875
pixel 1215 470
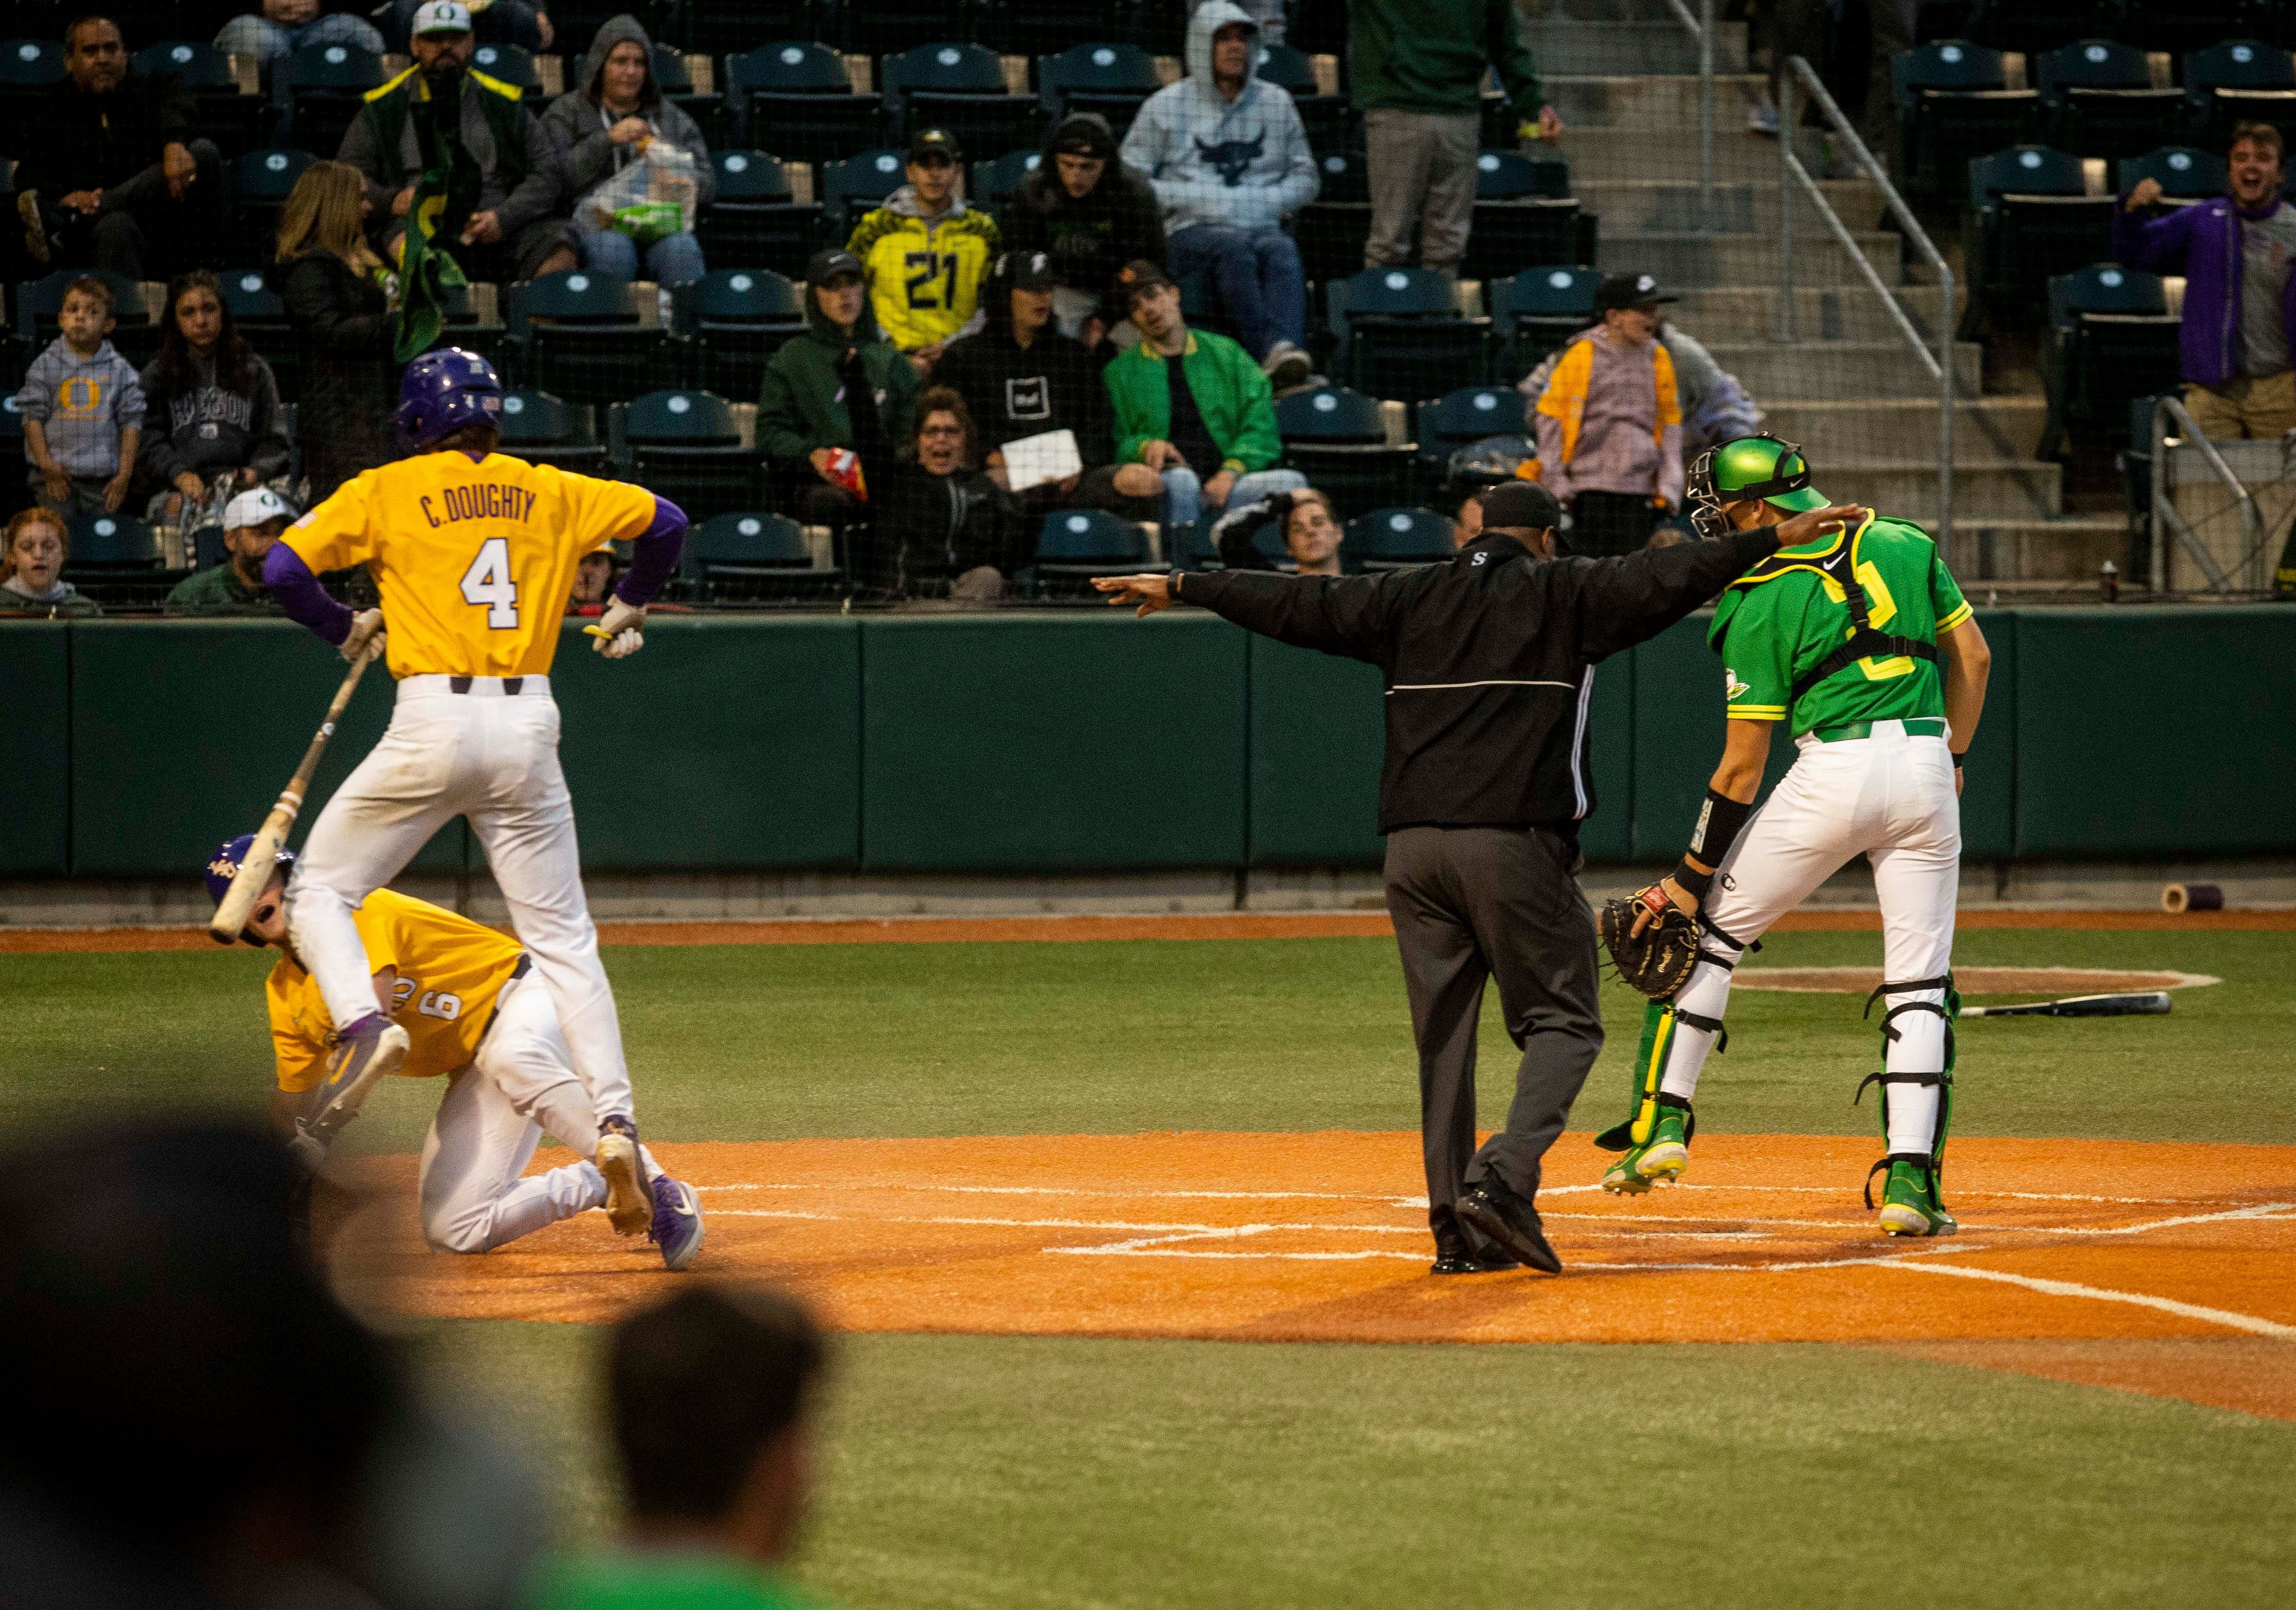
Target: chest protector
pixel 1865 640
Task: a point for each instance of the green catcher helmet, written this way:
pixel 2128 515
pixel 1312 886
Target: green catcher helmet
pixel 1738 472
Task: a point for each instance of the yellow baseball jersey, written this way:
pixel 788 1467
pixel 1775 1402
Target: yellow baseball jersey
pixel 474 558
pixel 450 970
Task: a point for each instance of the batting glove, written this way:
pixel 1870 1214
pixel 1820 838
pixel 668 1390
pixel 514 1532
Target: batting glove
pixel 616 635
pixel 366 630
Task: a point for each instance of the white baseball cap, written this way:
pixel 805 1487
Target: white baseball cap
pixel 253 508
pixel 441 17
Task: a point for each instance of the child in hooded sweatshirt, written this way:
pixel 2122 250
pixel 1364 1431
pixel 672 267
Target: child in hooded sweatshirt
pixel 83 410
pixel 31 568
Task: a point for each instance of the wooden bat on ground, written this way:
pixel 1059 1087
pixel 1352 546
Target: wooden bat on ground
pixel 2151 1004
pixel 255 872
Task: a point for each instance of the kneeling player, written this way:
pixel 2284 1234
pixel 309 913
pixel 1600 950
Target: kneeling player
pixel 474 1011
pixel 1863 642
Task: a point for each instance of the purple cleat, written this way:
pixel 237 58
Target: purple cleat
pixel 363 1053
pixel 676 1227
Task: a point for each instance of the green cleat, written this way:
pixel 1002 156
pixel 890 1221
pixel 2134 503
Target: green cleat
pixel 1661 1157
pixel 1910 1200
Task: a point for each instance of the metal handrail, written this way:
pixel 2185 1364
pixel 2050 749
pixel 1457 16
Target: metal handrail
pixel 1701 28
pixel 2251 518
pixel 1799 74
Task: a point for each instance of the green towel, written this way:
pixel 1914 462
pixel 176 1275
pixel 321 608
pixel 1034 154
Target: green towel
pixel 444 199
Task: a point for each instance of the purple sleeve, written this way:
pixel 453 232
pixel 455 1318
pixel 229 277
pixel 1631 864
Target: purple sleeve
pixel 2157 244
pixel 653 555
pixel 298 593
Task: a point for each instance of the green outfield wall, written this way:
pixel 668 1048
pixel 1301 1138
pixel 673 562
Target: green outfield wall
pixel 1077 741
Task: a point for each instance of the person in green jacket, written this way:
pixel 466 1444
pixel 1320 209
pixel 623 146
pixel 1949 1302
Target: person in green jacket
pixel 251 522
pixel 1416 69
pixel 801 419
pixel 1205 423
pixel 710 1395
pixel 31 569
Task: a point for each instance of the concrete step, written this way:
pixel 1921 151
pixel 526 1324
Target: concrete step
pixel 1749 312
pixel 1847 370
pixel 1619 49
pixel 1650 101
pixel 1667 150
pixel 1992 431
pixel 2072 550
pixel 2004 491
pixel 1689 258
pixel 1738 208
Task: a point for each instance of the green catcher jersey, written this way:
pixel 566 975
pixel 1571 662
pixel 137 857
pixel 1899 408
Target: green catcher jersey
pixel 1780 620
pixel 665 1580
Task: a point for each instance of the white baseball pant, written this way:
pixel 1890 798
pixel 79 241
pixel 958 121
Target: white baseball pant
pixel 491 755
pixel 1889 798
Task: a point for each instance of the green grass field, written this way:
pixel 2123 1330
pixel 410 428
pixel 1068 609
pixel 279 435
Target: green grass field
pixel 968 1471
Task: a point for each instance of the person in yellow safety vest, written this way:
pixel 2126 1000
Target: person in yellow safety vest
pixel 1610 423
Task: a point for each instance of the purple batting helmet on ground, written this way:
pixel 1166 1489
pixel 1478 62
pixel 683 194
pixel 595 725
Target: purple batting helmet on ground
pixel 224 865
pixel 443 391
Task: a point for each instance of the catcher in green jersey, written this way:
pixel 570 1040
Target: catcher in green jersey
pixel 1860 645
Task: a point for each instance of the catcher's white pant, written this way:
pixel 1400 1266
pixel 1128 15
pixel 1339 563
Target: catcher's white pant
pixel 491 755
pixel 519 1087
pixel 1889 798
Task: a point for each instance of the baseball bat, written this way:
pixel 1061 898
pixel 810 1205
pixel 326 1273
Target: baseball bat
pixel 2151 1004
pixel 255 872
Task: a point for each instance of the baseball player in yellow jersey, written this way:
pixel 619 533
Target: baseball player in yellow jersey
pixel 474 553
pixel 473 1015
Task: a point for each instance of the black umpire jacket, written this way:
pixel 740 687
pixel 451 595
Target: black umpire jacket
pixel 1489 661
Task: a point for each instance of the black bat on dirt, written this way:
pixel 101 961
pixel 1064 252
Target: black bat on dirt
pixel 2152 1004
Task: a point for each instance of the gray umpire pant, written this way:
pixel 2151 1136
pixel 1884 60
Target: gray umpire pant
pixel 1469 904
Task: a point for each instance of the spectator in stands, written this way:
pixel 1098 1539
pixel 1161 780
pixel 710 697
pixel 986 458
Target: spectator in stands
pixel 1610 423
pixel 803 419
pixel 1715 407
pixel 935 524
pixel 926 222
pixel 31 568
pixel 216 426
pixel 1311 536
pixel 288 25
pixel 1091 213
pixel 251 522
pixel 1229 158
pixel 712 1395
pixel 516 22
pixel 593 576
pixel 83 409
pixel 333 284
pixel 2240 298
pixel 1467 524
pixel 607 124
pixel 1416 69
pixel 1193 407
pixel 1021 377
pixel 117 179
pixel 518 231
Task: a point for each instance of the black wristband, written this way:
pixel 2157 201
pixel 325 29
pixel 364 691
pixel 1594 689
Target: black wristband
pixel 1719 823
pixel 1693 882
pixel 1957 759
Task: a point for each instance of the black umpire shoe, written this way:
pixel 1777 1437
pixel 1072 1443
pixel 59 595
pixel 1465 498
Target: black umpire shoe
pixel 1509 1220
pixel 1459 1252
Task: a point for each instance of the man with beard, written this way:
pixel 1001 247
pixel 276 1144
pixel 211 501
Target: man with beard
pixel 512 232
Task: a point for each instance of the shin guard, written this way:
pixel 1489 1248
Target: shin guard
pixel 1932 1157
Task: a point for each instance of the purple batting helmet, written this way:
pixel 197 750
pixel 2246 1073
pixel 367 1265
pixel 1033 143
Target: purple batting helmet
pixel 443 391
pixel 224 865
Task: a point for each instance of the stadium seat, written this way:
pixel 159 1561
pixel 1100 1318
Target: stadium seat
pixel 1404 326
pixel 730 27
pixel 1330 120
pixel 38 302
pixel 1523 214
pixel 735 320
pixel 232 120
pixel 992 184
pixel 511 65
pixel 752 554
pixel 852 187
pixel 27 68
pixel 260 184
pixel 1330 230
pixel 2191 25
pixel 1038 28
pixel 1342 442
pixel 1345 176
pixel 2240 81
pixel 1111 79
pixel 2098 98
pixel 322 86
pixel 707 108
pixel 1536 311
pixel 578 335
pixel 2033 26
pixel 801 95
pixel 878 28
pixel 1955 103
pixel 754 221
pixel 1075 544
pixel 1389 539
pixel 262 321
pixel 687 444
pixel 2111 339
pixel 2032 217
pixel 2186 173
pixel 961 88
pixel 538 427
pixel 107 543
pixel 1444 424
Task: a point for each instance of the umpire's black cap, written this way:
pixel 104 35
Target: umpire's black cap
pixel 1520 506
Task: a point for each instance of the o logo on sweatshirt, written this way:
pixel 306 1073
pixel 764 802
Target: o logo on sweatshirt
pixel 80 394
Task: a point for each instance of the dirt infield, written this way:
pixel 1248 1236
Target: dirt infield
pixel 1236 925
pixel 1322 1237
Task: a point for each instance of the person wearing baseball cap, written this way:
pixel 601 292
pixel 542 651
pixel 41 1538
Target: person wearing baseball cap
pixel 803 424
pixel 521 22
pixel 251 522
pixel 1609 422
pixel 1091 214
pixel 926 221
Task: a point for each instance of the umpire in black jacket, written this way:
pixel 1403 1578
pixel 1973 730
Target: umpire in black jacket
pixel 1489 663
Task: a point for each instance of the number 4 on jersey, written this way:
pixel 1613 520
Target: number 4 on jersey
pixel 486 585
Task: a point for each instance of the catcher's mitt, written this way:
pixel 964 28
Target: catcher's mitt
pixel 1658 961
